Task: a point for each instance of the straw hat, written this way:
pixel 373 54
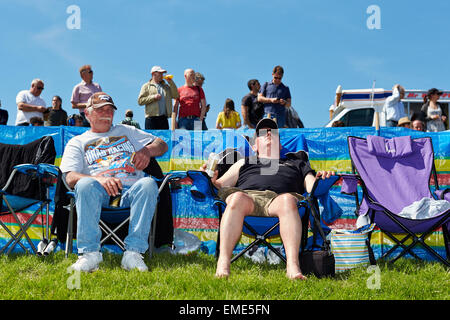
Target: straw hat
pixel 402 121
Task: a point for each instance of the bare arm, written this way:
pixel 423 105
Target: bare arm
pixel 230 178
pixel 310 179
pixel 203 109
pixel 29 107
pixel 244 111
pixel 111 185
pixel 263 99
pixel 175 114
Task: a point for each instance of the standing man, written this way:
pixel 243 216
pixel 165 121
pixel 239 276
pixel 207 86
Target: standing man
pixel 157 97
pixel 252 110
pixel 192 104
pixel 276 97
pixel 82 91
pixel 56 116
pixel 30 104
pixel 393 107
pixel 107 161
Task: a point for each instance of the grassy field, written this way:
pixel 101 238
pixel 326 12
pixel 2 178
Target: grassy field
pixel 192 277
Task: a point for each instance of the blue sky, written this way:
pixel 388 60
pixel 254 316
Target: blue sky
pixel 320 44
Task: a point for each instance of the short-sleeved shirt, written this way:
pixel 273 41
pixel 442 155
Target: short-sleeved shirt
pixel 106 154
pixel 189 100
pixel 83 91
pixel 271 90
pixel 255 108
pixel 25 96
pixel 263 174
pixel 56 118
pixel 230 122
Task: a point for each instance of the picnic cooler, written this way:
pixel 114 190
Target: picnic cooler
pixel 351 248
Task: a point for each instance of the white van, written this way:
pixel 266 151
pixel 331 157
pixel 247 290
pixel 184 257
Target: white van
pixel 356 107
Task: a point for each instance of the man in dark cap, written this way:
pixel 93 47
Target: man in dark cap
pixel 264 185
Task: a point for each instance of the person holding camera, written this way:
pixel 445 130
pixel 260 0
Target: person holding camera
pixel 276 97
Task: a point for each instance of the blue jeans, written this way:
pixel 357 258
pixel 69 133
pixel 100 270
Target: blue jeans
pixel 190 123
pixel 90 197
pixel 280 115
pixel 391 123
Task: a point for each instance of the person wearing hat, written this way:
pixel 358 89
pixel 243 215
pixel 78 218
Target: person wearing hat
pixel 393 106
pixel 264 185
pixel 404 122
pixel 107 161
pixel 156 95
pixel 433 110
pixel 129 119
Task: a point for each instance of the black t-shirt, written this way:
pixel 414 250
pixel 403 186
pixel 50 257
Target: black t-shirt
pixel 3 116
pixel 255 108
pixel 287 175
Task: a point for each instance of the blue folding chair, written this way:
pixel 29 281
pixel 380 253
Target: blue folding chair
pixel 27 189
pixel 263 228
pixel 113 220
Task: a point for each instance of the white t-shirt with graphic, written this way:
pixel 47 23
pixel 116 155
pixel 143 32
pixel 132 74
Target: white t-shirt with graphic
pixel 106 154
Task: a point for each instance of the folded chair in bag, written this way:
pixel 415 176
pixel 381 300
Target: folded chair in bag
pixel 114 220
pixel 26 180
pixel 395 173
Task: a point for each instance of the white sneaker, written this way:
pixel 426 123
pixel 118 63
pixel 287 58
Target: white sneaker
pixel 133 260
pixel 88 262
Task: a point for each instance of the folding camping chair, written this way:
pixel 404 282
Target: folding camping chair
pixel 393 174
pixel 27 189
pixel 262 228
pixel 114 219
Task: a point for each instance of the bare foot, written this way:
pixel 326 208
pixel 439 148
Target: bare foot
pixel 296 276
pixel 293 272
pixel 223 269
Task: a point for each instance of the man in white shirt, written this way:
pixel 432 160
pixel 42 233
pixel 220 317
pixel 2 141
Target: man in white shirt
pixel 30 104
pixel 107 161
pixel 393 107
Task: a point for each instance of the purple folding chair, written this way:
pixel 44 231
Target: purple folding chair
pixel 393 174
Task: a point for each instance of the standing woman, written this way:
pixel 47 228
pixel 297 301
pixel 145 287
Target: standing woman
pixel 228 118
pixel 433 110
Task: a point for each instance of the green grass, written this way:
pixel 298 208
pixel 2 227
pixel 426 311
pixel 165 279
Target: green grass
pixel 192 277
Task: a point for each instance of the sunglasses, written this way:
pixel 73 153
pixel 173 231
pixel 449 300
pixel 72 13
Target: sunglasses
pixel 88 71
pixel 264 132
pixel 278 78
pixel 40 88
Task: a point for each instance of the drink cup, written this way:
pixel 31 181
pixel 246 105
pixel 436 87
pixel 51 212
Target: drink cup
pixel 212 164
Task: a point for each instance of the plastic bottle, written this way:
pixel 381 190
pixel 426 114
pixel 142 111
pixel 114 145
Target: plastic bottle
pixel 212 164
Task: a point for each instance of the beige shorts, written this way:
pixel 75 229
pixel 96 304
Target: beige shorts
pixel 261 199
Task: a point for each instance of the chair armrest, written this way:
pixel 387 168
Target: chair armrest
pixel 349 183
pixel 443 194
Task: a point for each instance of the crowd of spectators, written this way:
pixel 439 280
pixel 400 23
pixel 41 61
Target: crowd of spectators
pixel 187 106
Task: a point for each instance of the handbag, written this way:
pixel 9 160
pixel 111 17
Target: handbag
pixel 319 260
pixel 351 247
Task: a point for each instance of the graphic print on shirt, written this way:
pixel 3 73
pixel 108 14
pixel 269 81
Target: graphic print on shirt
pixel 111 157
